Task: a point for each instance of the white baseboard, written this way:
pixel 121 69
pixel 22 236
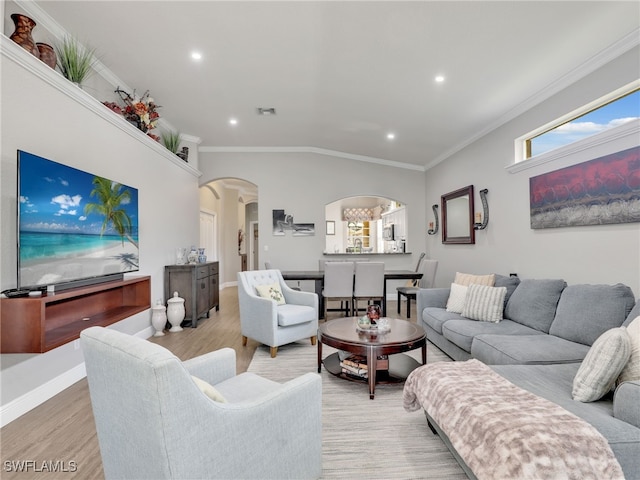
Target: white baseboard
pixel 30 400
pixel 39 395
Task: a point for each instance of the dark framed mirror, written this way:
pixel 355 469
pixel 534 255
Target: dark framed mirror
pixel 457 217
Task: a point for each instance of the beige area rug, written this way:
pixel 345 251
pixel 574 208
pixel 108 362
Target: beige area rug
pixel 363 438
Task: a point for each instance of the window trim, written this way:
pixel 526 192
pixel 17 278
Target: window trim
pixel 521 143
pixel 630 129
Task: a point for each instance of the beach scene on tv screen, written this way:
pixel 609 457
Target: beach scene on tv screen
pixel 72 224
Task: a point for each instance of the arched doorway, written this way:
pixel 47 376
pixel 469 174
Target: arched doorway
pixel 232 203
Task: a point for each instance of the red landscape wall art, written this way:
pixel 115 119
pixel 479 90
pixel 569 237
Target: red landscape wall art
pixel 601 191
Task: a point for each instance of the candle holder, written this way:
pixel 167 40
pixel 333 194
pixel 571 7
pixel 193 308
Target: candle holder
pixel 481 225
pixel 432 230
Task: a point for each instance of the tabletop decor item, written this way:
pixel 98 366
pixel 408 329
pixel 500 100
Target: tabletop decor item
pixel 159 318
pixel 184 154
pixel 141 112
pixel 373 312
pixel 47 54
pixel 175 312
pixel 74 60
pixel 192 257
pixel 171 140
pixel 181 256
pixel 22 33
pixel 364 323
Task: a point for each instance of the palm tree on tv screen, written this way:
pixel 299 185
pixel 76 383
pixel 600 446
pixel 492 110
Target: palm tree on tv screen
pixel 110 197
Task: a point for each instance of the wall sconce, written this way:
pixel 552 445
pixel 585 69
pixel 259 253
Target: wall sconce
pixel 432 230
pixel 482 219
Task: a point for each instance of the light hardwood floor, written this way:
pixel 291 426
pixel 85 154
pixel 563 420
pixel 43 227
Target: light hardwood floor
pixel 62 429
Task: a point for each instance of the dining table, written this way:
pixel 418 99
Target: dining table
pixel 317 276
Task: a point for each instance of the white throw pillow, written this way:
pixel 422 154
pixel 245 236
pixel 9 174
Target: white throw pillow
pixel 208 390
pixel 457 296
pixel 603 363
pixel 468 279
pixel 484 303
pixel 631 371
pixel 271 291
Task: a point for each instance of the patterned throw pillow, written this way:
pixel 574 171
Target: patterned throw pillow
pixel 600 368
pixel 468 279
pixel 272 292
pixel 457 297
pixel 631 371
pixel 209 390
pixel 484 303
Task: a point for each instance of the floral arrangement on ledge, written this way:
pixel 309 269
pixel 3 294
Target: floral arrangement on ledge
pixel 139 111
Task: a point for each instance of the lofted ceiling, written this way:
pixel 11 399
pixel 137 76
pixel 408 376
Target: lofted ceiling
pixel 343 74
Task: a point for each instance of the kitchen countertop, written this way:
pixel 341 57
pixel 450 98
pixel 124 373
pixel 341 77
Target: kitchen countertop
pixel 326 254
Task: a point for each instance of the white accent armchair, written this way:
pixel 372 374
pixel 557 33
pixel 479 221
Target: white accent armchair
pixel 268 323
pixel 153 421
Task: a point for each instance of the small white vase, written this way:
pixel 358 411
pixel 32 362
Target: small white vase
pixel 175 312
pixel 159 318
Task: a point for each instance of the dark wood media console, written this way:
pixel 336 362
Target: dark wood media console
pixel 40 324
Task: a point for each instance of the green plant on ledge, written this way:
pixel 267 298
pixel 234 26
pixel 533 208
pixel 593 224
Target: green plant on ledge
pixel 74 60
pixel 171 140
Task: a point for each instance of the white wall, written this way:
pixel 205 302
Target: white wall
pixel 302 184
pixel 590 254
pixel 39 118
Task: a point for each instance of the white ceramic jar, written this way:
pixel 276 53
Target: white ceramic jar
pixel 159 318
pixel 175 312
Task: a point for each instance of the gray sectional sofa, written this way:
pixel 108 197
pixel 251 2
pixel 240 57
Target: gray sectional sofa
pixel 546 331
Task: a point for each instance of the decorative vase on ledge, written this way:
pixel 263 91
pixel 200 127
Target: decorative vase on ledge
pixel 184 154
pixel 47 54
pixel 22 33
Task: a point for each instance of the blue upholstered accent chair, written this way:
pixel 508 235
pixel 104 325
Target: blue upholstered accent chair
pixel 263 320
pixel 155 422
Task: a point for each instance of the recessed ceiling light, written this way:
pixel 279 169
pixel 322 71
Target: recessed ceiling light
pixel 440 78
pixel 233 121
pixel 196 55
pixel 391 136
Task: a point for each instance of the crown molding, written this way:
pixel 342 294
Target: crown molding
pixel 622 46
pixel 316 150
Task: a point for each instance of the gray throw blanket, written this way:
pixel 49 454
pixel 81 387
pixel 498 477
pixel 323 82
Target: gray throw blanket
pixel 504 432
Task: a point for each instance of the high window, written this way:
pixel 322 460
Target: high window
pixel 611 111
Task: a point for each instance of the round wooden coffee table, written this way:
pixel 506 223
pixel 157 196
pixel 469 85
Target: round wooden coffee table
pixel 403 336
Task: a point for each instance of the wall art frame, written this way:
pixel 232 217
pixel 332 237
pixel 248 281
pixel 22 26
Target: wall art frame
pixel 604 190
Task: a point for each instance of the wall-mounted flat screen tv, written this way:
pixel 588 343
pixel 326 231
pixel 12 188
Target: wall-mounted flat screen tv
pixel 72 225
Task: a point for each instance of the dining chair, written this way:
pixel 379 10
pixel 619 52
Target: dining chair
pixel 269 266
pixel 411 283
pixel 369 283
pixel 428 267
pixel 338 285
